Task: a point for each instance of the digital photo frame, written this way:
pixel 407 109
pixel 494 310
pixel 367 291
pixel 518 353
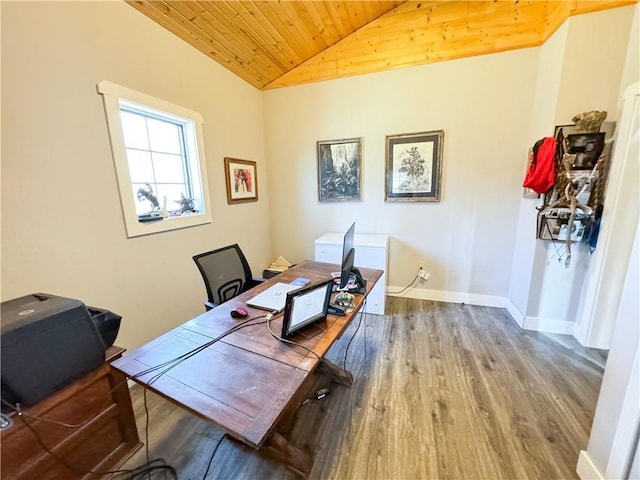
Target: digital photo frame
pixel 305 306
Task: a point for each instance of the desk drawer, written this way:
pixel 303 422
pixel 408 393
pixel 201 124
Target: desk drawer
pixel 105 433
pixel 328 253
pixel 84 456
pixel 19 441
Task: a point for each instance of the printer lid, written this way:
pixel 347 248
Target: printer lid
pixel 21 311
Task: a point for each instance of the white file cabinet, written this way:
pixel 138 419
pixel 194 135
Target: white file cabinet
pixel 371 252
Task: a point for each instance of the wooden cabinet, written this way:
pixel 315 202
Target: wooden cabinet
pixel 371 252
pixel 87 426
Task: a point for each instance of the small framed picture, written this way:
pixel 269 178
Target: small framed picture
pixel 586 148
pixel 414 167
pixel 339 170
pixel 242 180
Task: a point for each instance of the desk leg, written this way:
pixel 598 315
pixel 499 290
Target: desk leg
pixel 332 370
pixel 277 446
pixel 295 458
pixel 326 373
pixel 285 422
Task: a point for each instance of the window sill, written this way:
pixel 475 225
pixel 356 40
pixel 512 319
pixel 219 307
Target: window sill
pixel 136 228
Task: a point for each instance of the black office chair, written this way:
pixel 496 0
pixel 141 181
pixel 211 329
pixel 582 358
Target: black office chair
pixel 226 273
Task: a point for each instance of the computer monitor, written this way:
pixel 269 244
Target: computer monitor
pixel 348 256
pixel 305 306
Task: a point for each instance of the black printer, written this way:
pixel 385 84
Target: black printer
pixel 46 342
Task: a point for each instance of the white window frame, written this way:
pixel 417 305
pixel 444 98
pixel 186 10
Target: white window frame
pixel 111 95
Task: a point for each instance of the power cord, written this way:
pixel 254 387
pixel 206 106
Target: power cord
pixel 339 379
pixel 17 409
pixel 148 468
pixel 132 474
pixel 213 454
pixel 273 315
pixel 346 351
pixel 170 364
pixel 177 361
pixel 407 287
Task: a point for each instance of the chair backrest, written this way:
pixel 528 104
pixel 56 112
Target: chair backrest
pixel 225 272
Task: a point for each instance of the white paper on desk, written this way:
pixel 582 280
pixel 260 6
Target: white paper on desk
pixel 280 265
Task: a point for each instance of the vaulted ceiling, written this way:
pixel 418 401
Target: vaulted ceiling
pixel 272 44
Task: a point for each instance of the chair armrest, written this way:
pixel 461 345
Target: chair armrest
pixel 209 305
pixel 254 282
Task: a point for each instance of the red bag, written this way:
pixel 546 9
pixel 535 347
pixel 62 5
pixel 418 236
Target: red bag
pixel 541 174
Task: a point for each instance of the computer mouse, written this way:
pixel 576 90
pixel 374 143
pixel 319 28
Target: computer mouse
pixel 239 312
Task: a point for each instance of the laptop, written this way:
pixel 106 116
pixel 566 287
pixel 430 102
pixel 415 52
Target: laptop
pixel 273 298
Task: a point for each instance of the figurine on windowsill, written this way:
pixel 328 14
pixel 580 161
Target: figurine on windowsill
pixel 186 206
pixel 153 215
pixel 146 193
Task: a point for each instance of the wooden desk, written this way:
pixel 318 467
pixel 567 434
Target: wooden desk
pixel 248 383
pixel 104 436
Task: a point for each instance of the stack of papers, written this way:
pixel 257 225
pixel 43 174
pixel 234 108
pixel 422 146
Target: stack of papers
pixel 280 265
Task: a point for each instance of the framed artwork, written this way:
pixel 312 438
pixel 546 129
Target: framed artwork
pixel 565 129
pixel 242 180
pixel 414 167
pixel 339 170
pixel 587 148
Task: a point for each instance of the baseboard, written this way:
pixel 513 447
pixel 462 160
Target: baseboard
pixel 585 468
pixel 548 325
pixel 515 313
pixel 582 335
pixel 537 324
pixel 449 297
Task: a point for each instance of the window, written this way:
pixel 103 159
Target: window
pixel 158 154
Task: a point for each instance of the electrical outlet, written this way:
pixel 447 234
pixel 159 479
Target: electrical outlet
pixel 422 273
pixel 421 265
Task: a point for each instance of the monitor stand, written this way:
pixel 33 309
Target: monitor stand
pixel 311 331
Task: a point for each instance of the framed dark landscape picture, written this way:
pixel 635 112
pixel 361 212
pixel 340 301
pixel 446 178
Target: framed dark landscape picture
pixel 414 167
pixel 339 170
pixel 241 179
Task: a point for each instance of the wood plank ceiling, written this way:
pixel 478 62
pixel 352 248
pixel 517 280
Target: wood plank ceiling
pixel 273 44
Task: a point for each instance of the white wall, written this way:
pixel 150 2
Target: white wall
pixel 613 293
pixel 617 416
pixel 63 231
pixel 483 104
pixel 631 72
pixel 545 98
pixel 479 241
pixel 580 70
pixel 594 59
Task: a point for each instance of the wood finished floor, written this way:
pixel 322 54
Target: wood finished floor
pixel 442 391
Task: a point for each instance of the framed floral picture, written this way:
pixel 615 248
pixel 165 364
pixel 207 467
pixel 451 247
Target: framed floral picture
pixel 242 180
pixel 339 170
pixel 414 167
